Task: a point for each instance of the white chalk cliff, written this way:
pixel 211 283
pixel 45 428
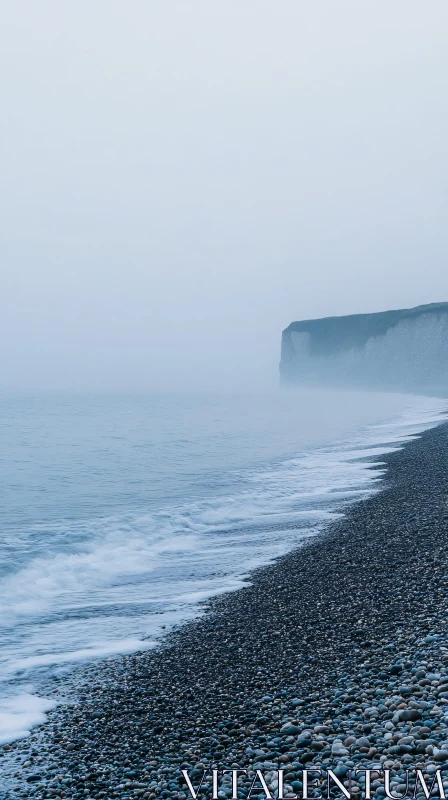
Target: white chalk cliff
pixel 404 350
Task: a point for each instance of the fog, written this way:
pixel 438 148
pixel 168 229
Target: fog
pixel 182 179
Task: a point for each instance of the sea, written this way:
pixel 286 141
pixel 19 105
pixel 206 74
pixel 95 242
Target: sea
pixel 120 515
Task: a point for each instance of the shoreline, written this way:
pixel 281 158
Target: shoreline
pixel 346 605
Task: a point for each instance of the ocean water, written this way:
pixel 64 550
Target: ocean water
pixel 120 514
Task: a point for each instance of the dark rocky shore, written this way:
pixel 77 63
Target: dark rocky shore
pixel 336 656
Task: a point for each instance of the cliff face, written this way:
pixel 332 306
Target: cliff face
pixel 403 350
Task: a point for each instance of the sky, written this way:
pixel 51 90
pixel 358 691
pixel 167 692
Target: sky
pixel 182 179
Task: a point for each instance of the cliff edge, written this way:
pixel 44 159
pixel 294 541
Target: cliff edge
pixel 403 350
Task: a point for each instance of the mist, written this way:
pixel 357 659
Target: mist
pixel 181 180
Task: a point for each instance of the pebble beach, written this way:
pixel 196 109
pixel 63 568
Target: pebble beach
pixel 333 657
